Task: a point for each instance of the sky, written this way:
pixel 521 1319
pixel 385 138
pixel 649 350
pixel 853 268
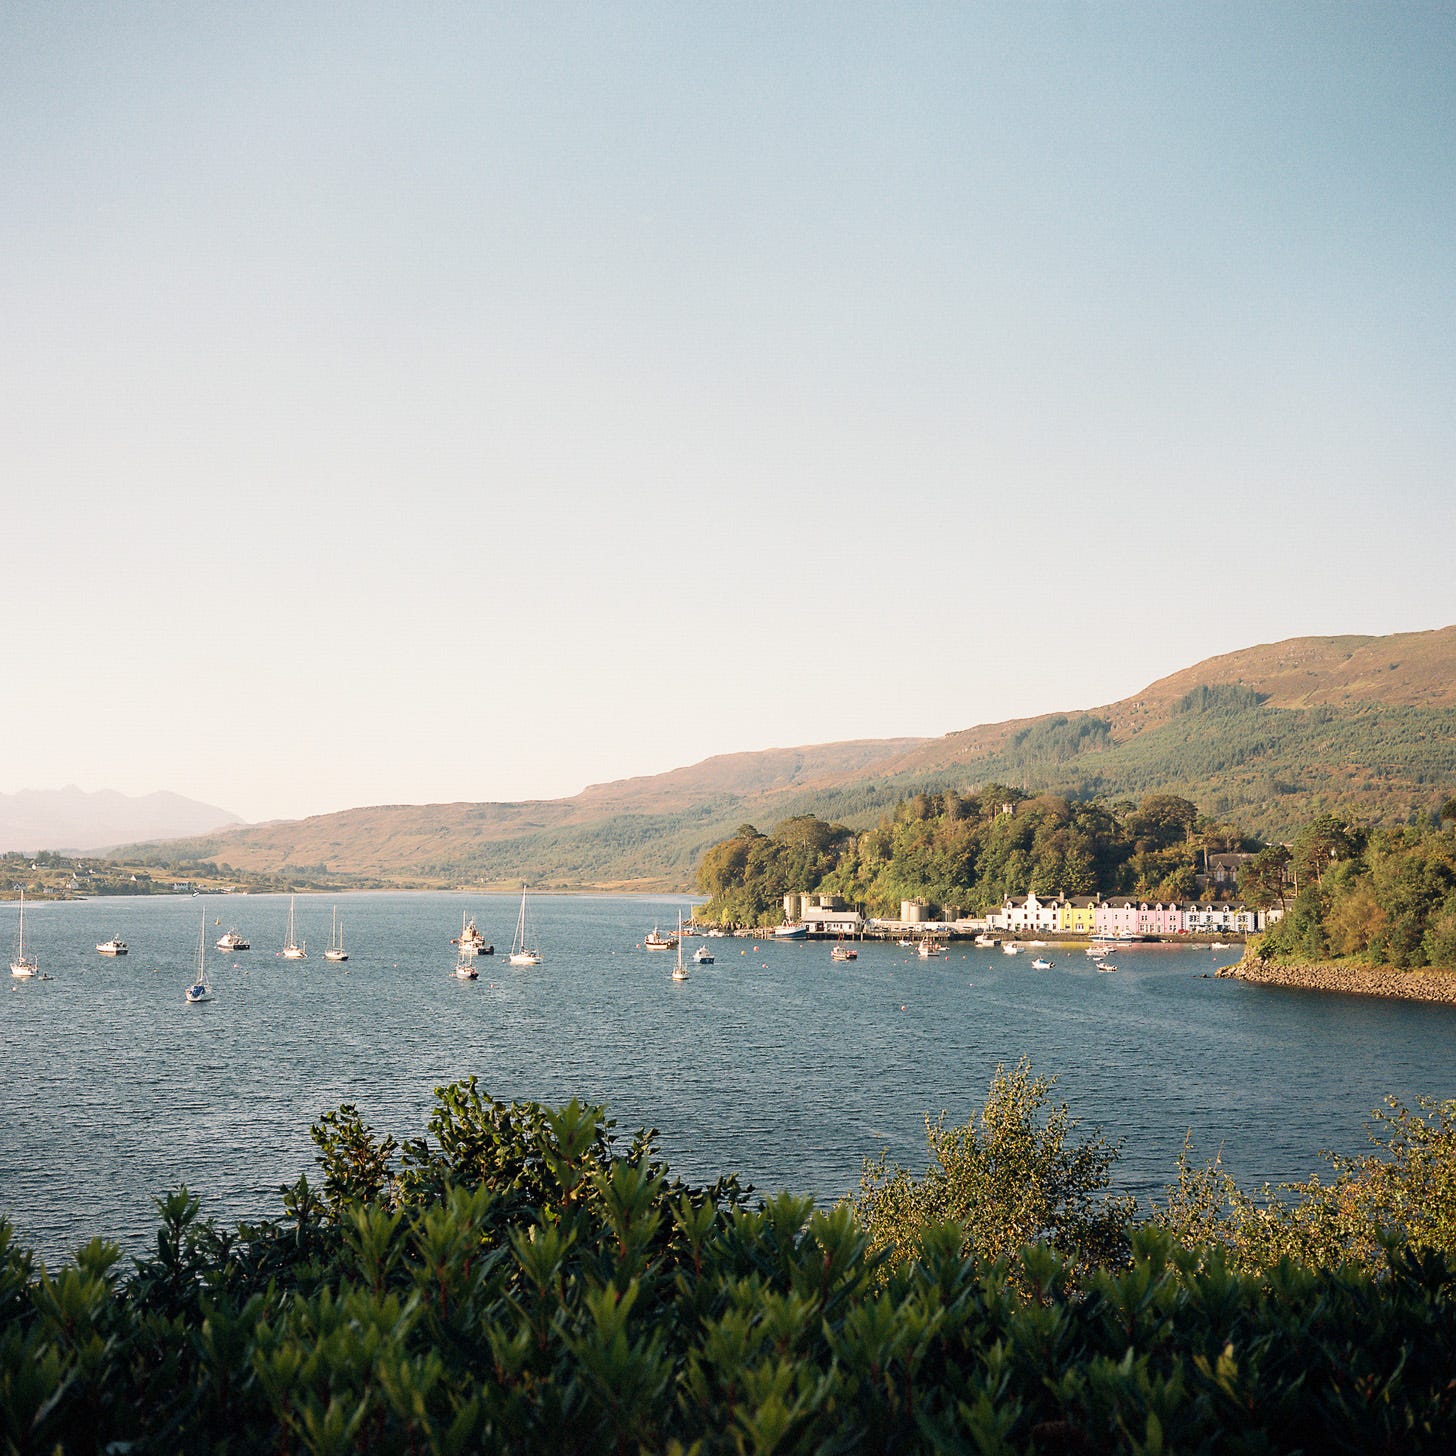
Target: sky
pixel 409 403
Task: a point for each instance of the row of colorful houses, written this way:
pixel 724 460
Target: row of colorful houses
pixel 1091 915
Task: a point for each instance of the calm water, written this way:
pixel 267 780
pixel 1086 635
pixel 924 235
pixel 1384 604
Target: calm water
pixel 775 1062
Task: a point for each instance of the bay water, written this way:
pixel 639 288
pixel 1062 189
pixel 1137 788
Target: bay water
pixel 775 1062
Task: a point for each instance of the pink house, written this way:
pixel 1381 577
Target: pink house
pixel 1138 917
pixel 1116 917
pixel 1160 919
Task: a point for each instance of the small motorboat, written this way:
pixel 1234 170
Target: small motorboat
pixel 233 940
pixel 702 956
pixel 930 948
pixel 1041 963
pixel 843 953
pixel 658 941
pixel 113 947
pixel 1106 966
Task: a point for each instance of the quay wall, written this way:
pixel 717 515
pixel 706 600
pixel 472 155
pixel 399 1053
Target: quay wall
pixel 1417 985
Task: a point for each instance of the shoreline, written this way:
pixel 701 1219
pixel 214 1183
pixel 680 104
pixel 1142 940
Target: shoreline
pixel 1434 987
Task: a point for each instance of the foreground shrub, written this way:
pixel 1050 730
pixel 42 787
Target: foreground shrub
pixel 518 1282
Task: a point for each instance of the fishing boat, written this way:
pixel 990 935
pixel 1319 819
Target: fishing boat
pixel 470 935
pixel 523 953
pixel 336 951
pixel 233 940
pixel 201 988
pixel 930 949
pixel 679 971
pixel 116 946
pixel 23 967
pixel 702 956
pixel 840 952
pixel 658 941
pixel 292 950
pixel 791 932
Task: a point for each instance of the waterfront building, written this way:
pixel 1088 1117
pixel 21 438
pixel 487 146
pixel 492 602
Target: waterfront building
pixel 1077 914
pixel 1034 913
pixel 1116 917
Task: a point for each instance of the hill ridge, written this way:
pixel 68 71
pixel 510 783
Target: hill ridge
pixel 1269 732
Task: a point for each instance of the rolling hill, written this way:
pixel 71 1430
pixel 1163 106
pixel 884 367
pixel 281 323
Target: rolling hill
pixel 1266 737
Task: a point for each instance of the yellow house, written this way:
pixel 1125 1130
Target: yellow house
pixel 1077 914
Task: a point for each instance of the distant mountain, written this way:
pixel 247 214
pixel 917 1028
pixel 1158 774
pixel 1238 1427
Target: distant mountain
pixel 1265 737
pixel 71 820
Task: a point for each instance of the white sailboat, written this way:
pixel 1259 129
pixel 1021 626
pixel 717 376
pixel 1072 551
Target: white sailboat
pixel 523 953
pixel 201 988
pixel 336 951
pixel 679 971
pixel 292 950
pixel 465 964
pixel 23 967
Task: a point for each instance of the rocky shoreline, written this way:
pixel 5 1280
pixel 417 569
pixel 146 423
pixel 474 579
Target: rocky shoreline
pixel 1421 985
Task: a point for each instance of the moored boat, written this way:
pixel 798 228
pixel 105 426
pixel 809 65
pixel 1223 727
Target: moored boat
pixel 658 941
pixel 465 965
pixel 292 949
pixel 470 935
pixel 791 932
pixel 702 956
pixel 523 953
pixel 233 940
pixel 1041 963
pixel 679 971
pixel 23 967
pixel 336 951
pixel 113 947
pixel 201 988
pixel 843 953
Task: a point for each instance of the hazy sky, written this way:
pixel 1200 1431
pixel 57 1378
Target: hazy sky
pixel 415 402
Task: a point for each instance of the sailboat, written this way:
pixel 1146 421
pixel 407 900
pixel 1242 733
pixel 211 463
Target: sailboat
pixel 336 951
pixel 465 964
pixel 201 988
pixel 679 971
pixel 22 967
pixel 292 951
pixel 523 953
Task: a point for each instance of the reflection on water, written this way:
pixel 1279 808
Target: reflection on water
pixel 775 1062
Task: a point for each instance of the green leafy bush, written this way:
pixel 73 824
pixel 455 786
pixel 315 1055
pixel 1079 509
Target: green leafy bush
pixel 518 1281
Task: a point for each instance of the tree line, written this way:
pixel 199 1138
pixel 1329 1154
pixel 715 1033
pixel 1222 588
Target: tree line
pixel 1384 896
pixel 970 851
